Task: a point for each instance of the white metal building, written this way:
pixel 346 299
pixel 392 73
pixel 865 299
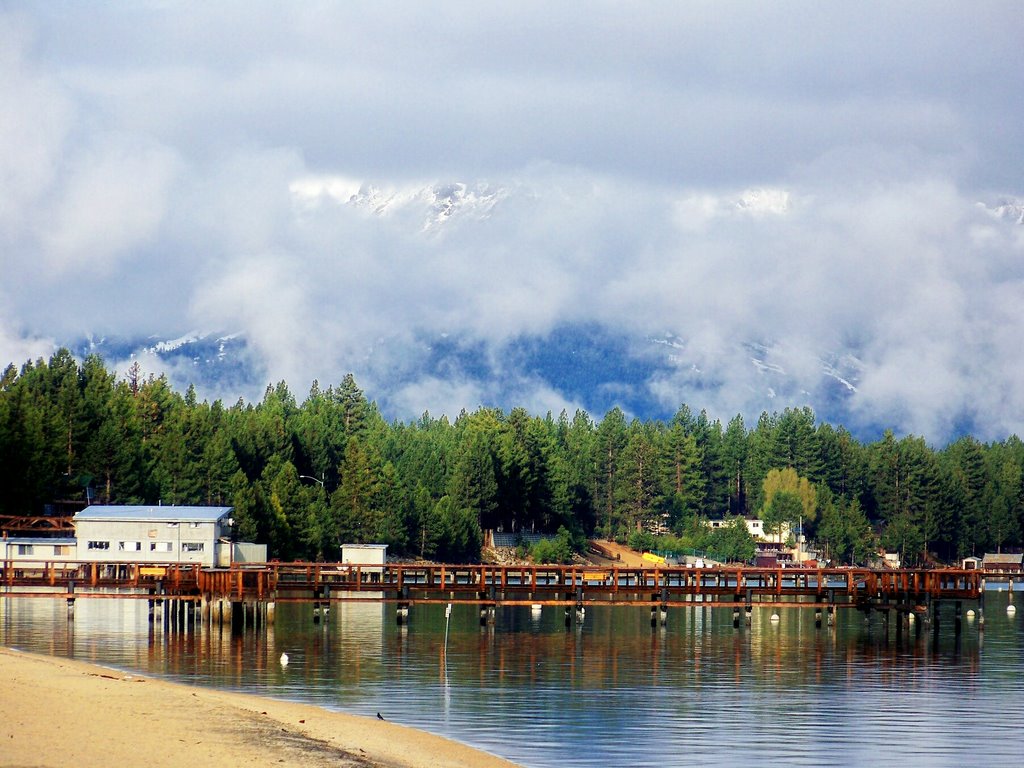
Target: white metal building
pixel 364 554
pixel 146 534
pixel 37 550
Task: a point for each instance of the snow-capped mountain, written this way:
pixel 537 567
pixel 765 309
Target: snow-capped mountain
pixel 1010 209
pixel 431 205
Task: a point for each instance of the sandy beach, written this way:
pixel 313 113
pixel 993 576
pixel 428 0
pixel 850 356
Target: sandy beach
pixel 60 712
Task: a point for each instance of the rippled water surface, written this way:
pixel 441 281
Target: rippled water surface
pixel 612 692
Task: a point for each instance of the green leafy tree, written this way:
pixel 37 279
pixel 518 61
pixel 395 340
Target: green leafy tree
pixel 784 509
pixel 559 550
pixel 787 481
pixel 730 542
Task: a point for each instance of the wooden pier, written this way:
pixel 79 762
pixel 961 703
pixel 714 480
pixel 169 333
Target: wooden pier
pixel 247 594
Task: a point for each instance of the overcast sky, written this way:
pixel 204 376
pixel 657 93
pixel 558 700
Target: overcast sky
pixel 818 178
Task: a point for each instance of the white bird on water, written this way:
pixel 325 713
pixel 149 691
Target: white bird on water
pixel 284 659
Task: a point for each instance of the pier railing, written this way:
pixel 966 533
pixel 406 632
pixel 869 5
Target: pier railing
pixel 492 584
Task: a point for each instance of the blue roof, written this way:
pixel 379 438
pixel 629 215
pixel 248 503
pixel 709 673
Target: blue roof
pixel 163 514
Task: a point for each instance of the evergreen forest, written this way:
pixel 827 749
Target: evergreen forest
pixel 303 477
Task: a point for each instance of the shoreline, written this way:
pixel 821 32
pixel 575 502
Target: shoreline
pixel 57 711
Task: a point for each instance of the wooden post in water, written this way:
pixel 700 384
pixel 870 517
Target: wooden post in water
pixel 161 604
pixel 71 600
pixel 402 612
pixel 981 607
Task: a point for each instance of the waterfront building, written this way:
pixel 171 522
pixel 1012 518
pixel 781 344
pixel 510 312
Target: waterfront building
pixel 154 534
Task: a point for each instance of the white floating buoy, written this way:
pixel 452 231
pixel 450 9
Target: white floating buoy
pixel 1010 609
pixel 970 614
pixel 775 618
pixel 284 659
pixel 535 609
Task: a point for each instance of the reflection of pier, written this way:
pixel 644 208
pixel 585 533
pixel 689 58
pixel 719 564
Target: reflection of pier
pixel 248 593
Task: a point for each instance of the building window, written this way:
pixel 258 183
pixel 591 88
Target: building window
pixel 160 546
pixel 129 546
pixel 25 549
pixel 191 546
pixel 99 545
pixel 62 550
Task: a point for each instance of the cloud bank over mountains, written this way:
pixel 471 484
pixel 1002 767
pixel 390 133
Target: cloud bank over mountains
pixel 766 206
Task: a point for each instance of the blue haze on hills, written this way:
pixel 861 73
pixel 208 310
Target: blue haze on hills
pixel 587 364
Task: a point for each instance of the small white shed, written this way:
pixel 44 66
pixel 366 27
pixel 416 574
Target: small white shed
pixel 364 554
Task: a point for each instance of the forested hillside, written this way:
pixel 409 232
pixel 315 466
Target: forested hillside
pixel 305 476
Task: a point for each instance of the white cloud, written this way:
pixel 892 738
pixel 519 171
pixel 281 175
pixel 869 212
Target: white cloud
pixel 729 177
pixel 111 202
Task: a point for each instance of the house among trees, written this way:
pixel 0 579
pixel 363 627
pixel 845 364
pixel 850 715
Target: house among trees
pixel 1003 563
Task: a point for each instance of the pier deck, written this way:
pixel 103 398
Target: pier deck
pixel 495 585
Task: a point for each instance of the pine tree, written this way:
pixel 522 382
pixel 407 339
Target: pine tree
pixel 354 503
pixel 639 493
pixel 681 475
pixel 734 463
pixel 609 443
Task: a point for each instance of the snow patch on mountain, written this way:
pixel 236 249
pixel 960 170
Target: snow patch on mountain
pixel 763 201
pixel 162 347
pixel 430 204
pixel 1008 209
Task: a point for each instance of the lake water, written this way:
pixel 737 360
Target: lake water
pixel 612 692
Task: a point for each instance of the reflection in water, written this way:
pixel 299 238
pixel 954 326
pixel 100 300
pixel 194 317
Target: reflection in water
pixel 611 692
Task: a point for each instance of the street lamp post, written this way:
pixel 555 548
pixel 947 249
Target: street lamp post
pixel 314 479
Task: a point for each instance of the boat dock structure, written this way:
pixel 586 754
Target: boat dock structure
pixel 247 594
